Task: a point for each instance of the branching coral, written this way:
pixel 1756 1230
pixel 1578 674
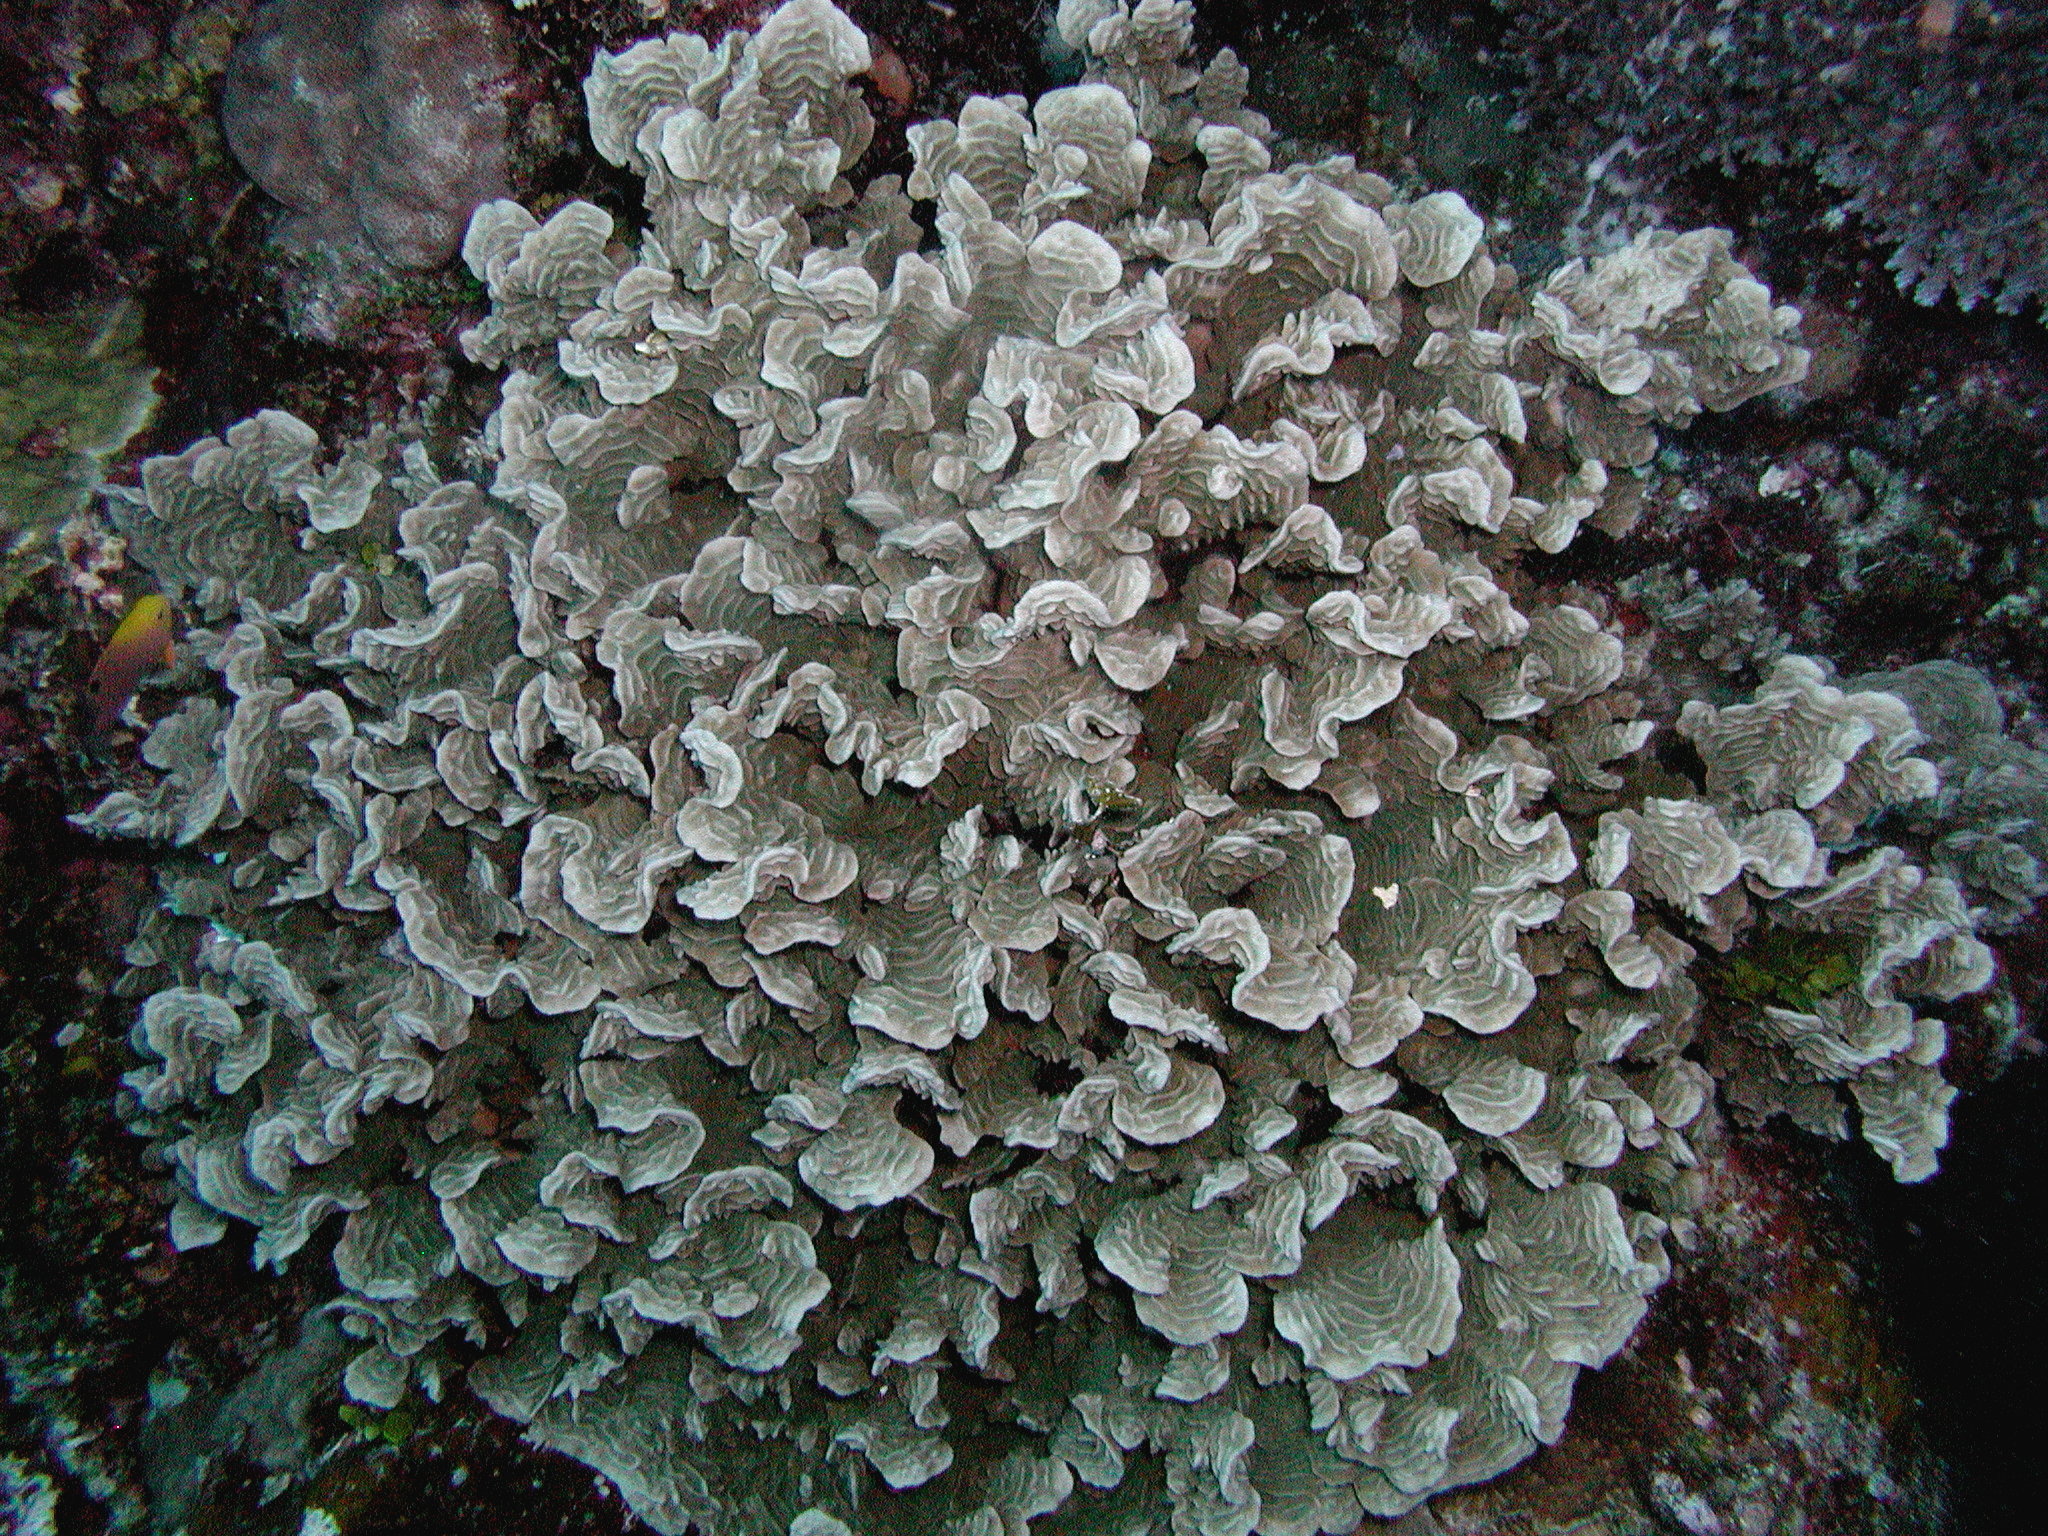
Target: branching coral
pixel 1930 135
pixel 976 889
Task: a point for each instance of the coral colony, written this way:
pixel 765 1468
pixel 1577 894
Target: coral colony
pixel 380 123
pixel 977 889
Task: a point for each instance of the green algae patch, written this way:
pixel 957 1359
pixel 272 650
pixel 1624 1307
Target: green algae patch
pixel 74 389
pixel 392 1429
pixel 1786 968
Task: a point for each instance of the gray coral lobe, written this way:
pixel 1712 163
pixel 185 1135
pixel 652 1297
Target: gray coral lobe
pixel 1066 935
pixel 379 123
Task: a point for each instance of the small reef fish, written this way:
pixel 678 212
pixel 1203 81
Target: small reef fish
pixel 141 643
pixel 891 75
pixel 1936 24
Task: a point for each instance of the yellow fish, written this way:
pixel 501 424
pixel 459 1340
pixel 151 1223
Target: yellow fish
pixel 141 643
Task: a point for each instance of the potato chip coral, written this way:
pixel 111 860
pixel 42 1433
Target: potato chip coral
pixel 977 890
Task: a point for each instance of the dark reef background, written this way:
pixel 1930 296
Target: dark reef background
pixel 1842 1356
